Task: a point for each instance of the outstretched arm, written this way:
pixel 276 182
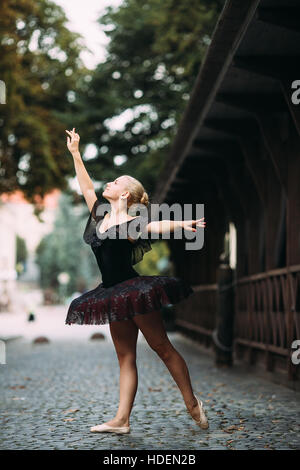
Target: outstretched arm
pixel 166 226
pixel 85 182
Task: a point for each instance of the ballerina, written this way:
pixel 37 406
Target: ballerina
pixel 124 299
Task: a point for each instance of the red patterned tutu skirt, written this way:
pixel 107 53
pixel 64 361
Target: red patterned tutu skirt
pixel 122 301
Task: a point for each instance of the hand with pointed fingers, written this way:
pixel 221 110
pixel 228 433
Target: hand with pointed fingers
pixel 190 224
pixel 73 141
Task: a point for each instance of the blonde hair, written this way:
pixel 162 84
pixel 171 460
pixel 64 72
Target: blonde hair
pixel 137 191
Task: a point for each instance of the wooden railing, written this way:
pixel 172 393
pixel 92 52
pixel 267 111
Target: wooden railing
pixel 200 316
pixel 267 313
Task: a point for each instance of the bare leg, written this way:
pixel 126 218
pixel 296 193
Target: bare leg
pixel 124 335
pixel 153 329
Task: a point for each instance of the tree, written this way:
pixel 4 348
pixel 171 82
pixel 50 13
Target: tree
pixel 154 55
pixel 41 68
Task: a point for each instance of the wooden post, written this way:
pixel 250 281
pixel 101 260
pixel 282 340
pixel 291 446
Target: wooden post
pixel 223 335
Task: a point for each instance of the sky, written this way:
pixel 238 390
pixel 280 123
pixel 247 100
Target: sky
pixel 82 16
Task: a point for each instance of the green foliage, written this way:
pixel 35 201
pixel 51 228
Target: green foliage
pixel 63 250
pixel 154 55
pixel 40 65
pixel 149 266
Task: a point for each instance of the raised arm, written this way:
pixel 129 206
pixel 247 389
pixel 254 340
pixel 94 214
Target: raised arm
pixel 85 182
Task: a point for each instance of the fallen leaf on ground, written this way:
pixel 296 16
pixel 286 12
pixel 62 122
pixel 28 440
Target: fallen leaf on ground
pixel 231 429
pixel 71 410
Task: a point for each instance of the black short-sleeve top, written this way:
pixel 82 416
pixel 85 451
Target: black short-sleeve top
pixel 135 229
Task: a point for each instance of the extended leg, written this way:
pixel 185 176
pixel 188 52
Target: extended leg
pixel 124 335
pixel 153 329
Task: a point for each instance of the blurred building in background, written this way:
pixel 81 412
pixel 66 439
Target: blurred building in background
pixel 17 219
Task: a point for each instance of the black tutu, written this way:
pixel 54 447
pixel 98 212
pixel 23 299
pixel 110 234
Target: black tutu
pixel 123 292
pixel 138 295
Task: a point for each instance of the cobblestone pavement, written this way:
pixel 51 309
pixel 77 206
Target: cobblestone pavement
pixel 52 393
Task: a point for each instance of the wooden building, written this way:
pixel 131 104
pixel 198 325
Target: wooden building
pixel 237 151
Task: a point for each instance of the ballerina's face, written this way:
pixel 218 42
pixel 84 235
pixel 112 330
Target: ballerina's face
pixel 115 189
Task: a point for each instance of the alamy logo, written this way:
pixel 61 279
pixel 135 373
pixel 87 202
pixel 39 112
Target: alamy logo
pixel 2 352
pixel 296 94
pixel 136 227
pixel 296 354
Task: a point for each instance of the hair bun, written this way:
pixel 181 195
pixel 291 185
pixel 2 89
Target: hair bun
pixel 144 199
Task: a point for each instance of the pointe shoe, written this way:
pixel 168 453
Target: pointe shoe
pixel 106 428
pixel 202 422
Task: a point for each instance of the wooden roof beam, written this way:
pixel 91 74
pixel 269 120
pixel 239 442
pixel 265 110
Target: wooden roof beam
pixel 254 102
pixel 237 127
pixel 285 69
pixel 286 17
pixel 227 36
pixel 278 67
